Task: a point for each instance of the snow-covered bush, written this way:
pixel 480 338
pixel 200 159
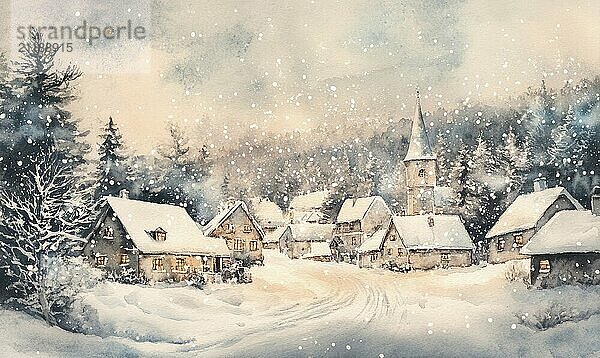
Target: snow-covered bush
pixel 127 276
pixel 516 273
pixel 552 315
pixel 236 273
pixel 196 280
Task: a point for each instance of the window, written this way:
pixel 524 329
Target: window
pixel 431 221
pixel 393 238
pixel 390 252
pixel 544 266
pixel 253 245
pixel 238 244
pixel 180 264
pixel 157 264
pixel 399 251
pixel 247 228
pixel 108 233
pixel 101 260
pixel 500 245
pixel 519 240
pixel 229 228
pixel 160 234
pixel 445 257
pixel 422 173
pixel 373 256
pixel 124 259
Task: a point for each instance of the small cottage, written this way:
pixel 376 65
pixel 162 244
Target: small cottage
pixel 268 214
pixel 523 218
pixel 358 219
pixel 319 251
pixel 566 250
pixel 300 239
pixel 157 241
pixel 271 240
pixel 243 234
pixel 418 242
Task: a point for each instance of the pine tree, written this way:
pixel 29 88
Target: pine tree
pixel 113 171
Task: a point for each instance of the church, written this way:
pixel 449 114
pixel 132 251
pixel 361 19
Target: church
pixel 425 237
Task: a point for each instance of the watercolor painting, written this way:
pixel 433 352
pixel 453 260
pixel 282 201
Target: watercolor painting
pixel 306 178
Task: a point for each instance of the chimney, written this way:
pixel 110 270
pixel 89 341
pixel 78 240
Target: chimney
pixel 596 201
pixel 539 184
pixel 124 193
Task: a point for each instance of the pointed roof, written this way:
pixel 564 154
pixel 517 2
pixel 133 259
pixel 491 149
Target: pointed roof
pixel 446 232
pixel 419 147
pixel 212 225
pixel 356 209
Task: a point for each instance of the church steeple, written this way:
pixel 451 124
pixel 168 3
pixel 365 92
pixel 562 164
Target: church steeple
pixel 420 164
pixel 419 147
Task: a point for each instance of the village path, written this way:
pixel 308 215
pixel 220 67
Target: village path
pixel 303 308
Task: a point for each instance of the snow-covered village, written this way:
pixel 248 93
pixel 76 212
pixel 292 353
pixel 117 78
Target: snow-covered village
pixel 299 179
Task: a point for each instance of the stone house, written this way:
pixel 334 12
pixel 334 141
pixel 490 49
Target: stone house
pixel 420 242
pixel 241 232
pixel 566 250
pixel 358 219
pixel 523 218
pixel 298 240
pixel 160 242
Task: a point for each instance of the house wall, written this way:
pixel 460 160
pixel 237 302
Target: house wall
pixel 566 269
pixel 346 238
pixel 376 218
pixel 428 259
pixel 420 190
pixel 284 240
pixel 200 264
pixel 111 248
pixel 511 252
pixel 394 254
pixel 239 218
pixel 370 259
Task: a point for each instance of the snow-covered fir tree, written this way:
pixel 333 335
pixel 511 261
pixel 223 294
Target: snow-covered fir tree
pixel 113 170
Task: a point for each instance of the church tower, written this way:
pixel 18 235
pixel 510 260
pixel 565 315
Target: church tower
pixel 420 163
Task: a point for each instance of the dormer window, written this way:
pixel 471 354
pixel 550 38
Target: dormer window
pixel 159 234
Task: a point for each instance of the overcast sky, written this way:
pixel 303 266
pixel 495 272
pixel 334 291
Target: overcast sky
pixel 275 66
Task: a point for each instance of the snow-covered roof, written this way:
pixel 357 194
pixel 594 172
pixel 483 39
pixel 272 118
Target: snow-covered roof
pixel 311 232
pixel 140 219
pixel 318 249
pixel 525 212
pixel 308 216
pixel 568 231
pixel 267 212
pixel 274 235
pixel 447 232
pixel 419 147
pixel 356 209
pixel 225 214
pixel 373 242
pixel 310 201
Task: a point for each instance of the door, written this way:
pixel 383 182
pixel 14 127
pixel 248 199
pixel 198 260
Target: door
pixel 217 264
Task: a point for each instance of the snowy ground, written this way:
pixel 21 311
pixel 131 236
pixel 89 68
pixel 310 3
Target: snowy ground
pixel 304 308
